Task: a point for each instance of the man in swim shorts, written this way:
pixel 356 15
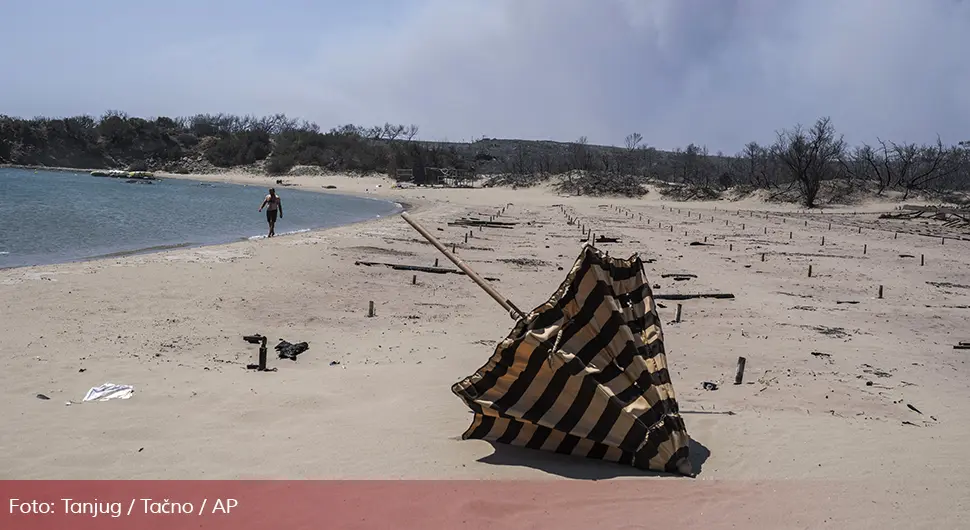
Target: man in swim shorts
pixel 273 204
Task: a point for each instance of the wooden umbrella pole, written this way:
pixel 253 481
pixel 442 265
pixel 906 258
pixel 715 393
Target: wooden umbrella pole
pixel 504 302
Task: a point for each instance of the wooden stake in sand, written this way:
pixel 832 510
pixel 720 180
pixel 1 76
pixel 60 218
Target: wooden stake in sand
pixel 823 241
pixel 739 373
pixel 731 246
pixel 677 317
pixel 865 248
pixel 809 271
pixel 414 279
pixel 504 302
pixel 762 256
pixel 370 308
pixel 261 340
pixel 922 260
pixel 880 292
pixel 789 235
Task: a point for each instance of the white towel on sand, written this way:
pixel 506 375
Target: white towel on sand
pixel 109 391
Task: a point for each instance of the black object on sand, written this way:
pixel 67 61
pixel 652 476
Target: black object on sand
pixel 290 351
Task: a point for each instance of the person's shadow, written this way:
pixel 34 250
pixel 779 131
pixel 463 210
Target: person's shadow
pixel 578 467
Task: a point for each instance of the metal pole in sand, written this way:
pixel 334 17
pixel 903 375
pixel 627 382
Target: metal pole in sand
pixel 504 302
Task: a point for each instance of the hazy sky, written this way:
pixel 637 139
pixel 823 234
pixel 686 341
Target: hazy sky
pixel 714 72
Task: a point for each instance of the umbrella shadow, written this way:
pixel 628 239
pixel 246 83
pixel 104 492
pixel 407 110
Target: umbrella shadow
pixel 568 466
pixel 699 453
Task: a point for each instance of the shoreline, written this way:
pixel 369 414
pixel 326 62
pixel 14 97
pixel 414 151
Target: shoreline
pixel 225 178
pixel 364 187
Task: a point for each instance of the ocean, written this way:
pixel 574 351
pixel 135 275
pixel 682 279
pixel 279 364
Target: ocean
pixel 56 216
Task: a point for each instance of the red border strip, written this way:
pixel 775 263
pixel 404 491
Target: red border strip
pixel 559 504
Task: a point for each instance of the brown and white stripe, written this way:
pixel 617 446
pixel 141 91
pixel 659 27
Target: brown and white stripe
pixel 585 374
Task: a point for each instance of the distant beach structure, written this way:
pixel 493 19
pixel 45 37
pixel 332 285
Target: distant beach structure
pixel 117 173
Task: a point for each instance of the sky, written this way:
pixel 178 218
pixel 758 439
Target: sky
pixel 718 73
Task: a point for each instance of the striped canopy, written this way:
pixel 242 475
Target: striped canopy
pixel 585 374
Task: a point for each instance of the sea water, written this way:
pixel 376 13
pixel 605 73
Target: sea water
pixel 53 216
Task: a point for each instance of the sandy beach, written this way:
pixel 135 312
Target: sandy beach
pixel 854 409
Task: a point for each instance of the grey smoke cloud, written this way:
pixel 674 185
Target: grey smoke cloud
pixel 714 72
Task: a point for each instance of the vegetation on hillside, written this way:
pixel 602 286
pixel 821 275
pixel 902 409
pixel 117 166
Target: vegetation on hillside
pixel 803 164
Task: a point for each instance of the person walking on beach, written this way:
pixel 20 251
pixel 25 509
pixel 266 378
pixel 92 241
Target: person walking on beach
pixel 273 204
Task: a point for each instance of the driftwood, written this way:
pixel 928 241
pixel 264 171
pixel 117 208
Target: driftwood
pixel 485 224
pixel 525 262
pixel 602 239
pixel 934 209
pixel 952 217
pixel 721 296
pixel 678 275
pixel 417 268
pixel 948 285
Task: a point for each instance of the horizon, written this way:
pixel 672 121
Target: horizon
pixel 714 74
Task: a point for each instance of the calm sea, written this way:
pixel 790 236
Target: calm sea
pixel 53 217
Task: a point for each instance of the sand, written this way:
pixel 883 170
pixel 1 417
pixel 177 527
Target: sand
pixel 832 436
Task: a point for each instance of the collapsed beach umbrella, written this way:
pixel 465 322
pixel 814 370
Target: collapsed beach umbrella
pixel 583 374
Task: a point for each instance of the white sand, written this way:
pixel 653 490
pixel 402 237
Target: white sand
pixel 171 324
